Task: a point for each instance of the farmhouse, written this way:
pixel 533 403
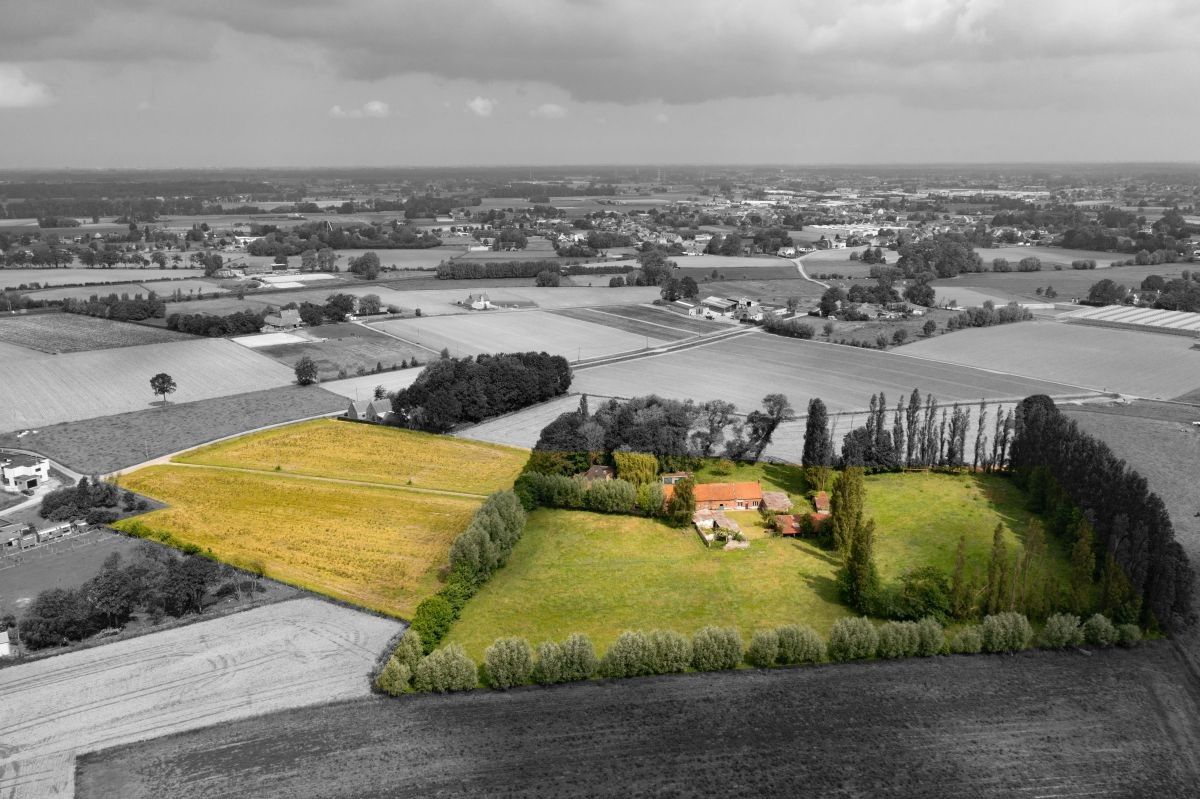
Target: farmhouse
pixel 723 496
pixel 369 410
pixel 777 501
pixel 599 473
pixel 10 534
pixel 479 302
pixel 19 472
pixel 718 306
pixel 282 321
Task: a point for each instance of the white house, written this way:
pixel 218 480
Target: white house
pixel 479 302
pixel 19 471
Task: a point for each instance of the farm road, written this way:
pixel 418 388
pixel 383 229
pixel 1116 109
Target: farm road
pixel 286 655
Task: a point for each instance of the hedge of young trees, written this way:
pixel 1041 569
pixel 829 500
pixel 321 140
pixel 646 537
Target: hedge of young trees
pixel 988 315
pixel 451 391
pixel 121 308
pixel 510 662
pixel 1074 478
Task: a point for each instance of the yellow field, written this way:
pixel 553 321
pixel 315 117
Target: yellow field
pixel 372 546
pixel 372 454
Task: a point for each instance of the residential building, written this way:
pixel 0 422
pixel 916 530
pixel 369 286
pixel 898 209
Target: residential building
pixel 19 471
pixel 479 302
pixel 723 496
pixel 281 322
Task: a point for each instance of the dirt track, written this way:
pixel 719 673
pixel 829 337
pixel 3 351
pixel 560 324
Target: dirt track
pixel 283 656
pixel 1113 723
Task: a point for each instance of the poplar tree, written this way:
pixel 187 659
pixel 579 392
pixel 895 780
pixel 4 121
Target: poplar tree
pixel 980 438
pixel 960 590
pixel 1083 567
pixel 845 511
pixel 997 573
pixel 898 432
pixel 859 575
pixel 913 422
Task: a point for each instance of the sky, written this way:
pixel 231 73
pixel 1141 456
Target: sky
pixel 197 83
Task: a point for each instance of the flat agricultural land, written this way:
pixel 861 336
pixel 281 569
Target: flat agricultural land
pixel 645 321
pixel 520 429
pixel 743 369
pixel 1126 361
pixel 286 655
pixel 62 388
pixel 1040 724
pixel 11 278
pixel 1068 283
pixel 574 571
pixel 362 513
pixel 329 448
pixel 187 282
pixel 775 290
pixel 63 332
pixel 343 348
pixel 515 331
pixel 109 443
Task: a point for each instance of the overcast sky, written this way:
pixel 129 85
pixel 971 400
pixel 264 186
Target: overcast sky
pixel 162 83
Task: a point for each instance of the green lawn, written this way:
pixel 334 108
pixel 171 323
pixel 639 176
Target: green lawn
pixel 583 572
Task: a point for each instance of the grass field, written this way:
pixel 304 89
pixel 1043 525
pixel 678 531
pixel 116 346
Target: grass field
pixel 515 331
pixel 14 277
pixel 664 316
pixel 372 546
pixel 281 656
pixel 661 326
pixel 368 453
pixel 49 389
pixel 1113 723
pixel 775 291
pixel 584 572
pixel 345 348
pixel 1126 361
pixel 741 370
pixel 1068 283
pixel 62 332
pixel 109 443
pixel 361 513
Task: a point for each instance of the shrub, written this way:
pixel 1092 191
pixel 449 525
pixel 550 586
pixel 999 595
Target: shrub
pixel 672 652
pixel 799 644
pixel 611 496
pixel 432 620
pixel 578 658
pixel 509 662
pixel 716 648
pixel 852 639
pixel 898 639
pixel 650 499
pixel 630 656
pixel 550 661
pixel 409 651
pixel 1006 632
pixel 1099 631
pixel 1061 630
pixel 1128 635
pixel 764 649
pixel 931 638
pixel 395 677
pixel 967 641
pixel 447 669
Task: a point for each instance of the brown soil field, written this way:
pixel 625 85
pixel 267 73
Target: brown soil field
pixel 270 658
pixel 63 332
pixel 1112 723
pixel 109 443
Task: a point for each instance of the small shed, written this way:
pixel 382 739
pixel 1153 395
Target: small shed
pixel 599 472
pixel 776 501
pixel 786 524
pixel 821 502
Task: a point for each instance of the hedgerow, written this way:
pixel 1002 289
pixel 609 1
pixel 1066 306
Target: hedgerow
pixel 1006 632
pixel 799 644
pixel 716 648
pixel 1061 630
pixel 852 639
pixel 509 662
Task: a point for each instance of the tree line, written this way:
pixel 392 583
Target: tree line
pixel 212 325
pixel 122 308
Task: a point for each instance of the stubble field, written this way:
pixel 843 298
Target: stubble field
pixel 286 655
pixel 13 277
pixel 62 332
pixel 1117 723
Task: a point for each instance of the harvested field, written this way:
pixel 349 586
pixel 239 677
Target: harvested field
pixel 844 377
pixel 723 262
pixel 343 350
pixel 1118 723
pixel 1069 283
pixel 774 291
pixel 666 316
pixel 330 448
pixel 521 429
pixel 63 332
pixel 514 331
pixel 1104 359
pixel 110 443
pixel 370 545
pixel 82 385
pixel 271 658
pixel 11 278
pixel 361 388
pixel 661 328
pixel 163 289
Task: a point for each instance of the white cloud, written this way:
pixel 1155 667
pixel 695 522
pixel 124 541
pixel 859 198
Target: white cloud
pixel 549 111
pixel 482 106
pixel 18 90
pixel 376 109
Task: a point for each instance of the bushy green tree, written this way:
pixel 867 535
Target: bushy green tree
pixel 636 467
pixel 852 639
pixel 898 639
pixel 716 648
pixel 967 641
pixel 846 508
pixel 671 651
pixel 1061 630
pixel 611 496
pixel 931 638
pixel 1129 635
pixel 997 579
pixel 578 658
pixel 1006 632
pixel 683 501
pixel 409 650
pixel 509 662
pixel 549 668
pixel 859 577
pixel 764 649
pixel 799 644
pixel 446 669
pixel 650 499
pixel 1083 567
pixel 395 677
pixel 1099 631
pixel 432 620
pixel 629 656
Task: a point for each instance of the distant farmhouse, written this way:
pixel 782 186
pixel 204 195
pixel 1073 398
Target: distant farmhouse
pixel 282 322
pixel 479 302
pixel 377 411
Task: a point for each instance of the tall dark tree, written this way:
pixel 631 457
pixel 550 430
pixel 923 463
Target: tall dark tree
pixel 818 446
